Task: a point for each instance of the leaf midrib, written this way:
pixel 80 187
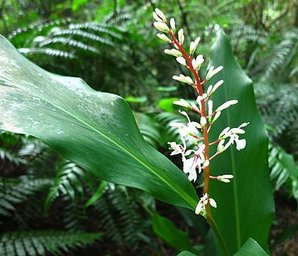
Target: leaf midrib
pixel 238 234
pixel 181 193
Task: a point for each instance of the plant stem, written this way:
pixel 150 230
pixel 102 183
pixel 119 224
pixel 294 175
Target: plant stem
pixel 199 88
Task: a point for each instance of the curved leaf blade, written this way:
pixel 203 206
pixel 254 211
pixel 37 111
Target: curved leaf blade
pixel 251 248
pixel 96 130
pixel 245 206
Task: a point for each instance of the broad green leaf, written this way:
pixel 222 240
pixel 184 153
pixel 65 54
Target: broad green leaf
pixel 167 231
pixel 251 248
pixel 245 206
pixel 96 130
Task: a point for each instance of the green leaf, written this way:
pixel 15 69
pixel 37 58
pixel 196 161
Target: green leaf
pixel 186 253
pixel 251 248
pixel 99 192
pixel 77 4
pixel 167 231
pixel 93 129
pixel 166 104
pixel 245 206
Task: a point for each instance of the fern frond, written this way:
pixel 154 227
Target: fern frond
pixel 83 35
pixel 99 28
pixel 283 53
pixel 283 169
pixel 68 182
pixel 16 191
pixel 39 243
pixel 119 217
pixel 68 42
pixel 47 51
pixel 6 155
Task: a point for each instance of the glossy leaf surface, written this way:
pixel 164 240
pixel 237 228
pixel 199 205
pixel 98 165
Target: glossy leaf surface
pixel 251 248
pixel 96 130
pixel 245 206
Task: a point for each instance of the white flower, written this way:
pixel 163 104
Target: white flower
pixel 180 36
pixel 164 38
pixel 195 164
pixel 226 105
pixel 194 45
pixel 161 26
pixel 183 79
pixel 240 144
pixel 189 167
pixel 160 14
pixel 173 52
pixel 212 71
pixel 226 178
pixel 172 24
pixel 196 63
pixel 181 60
pixel 200 208
pixel 177 148
pixel 233 136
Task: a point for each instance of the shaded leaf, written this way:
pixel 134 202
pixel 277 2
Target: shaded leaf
pixel 245 206
pixel 93 129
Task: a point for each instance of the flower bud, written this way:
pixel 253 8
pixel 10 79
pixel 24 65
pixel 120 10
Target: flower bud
pixel 196 63
pixel 216 86
pixel 181 36
pixel 203 121
pixel 212 71
pixel 157 18
pixel 161 26
pixel 172 24
pixel 181 60
pixel 183 79
pixel 173 52
pixel 164 38
pixel 227 104
pixel 194 45
pixel 160 14
pixel 225 178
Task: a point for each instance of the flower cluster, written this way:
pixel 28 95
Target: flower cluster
pixel 196 158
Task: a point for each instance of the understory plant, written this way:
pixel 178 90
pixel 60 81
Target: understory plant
pixel 196 134
pixel 98 132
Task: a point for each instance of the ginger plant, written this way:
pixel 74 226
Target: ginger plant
pixel 196 159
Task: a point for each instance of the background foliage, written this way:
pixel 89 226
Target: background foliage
pixel 112 46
